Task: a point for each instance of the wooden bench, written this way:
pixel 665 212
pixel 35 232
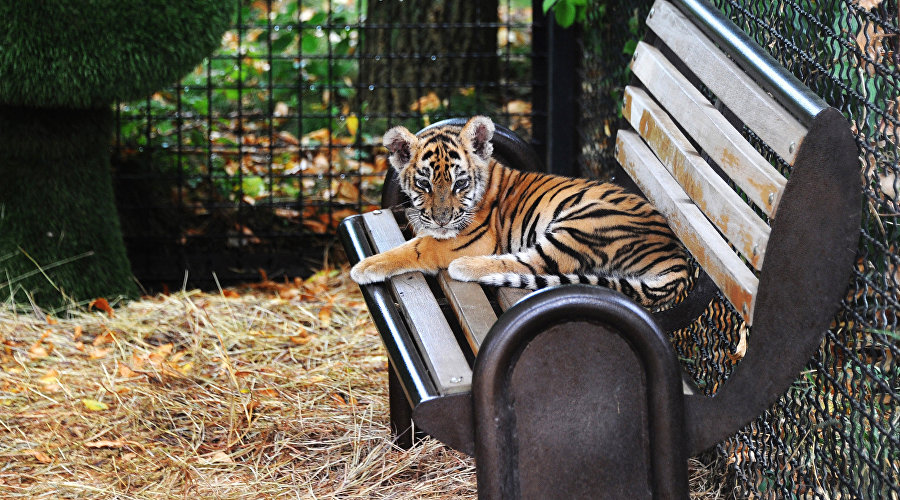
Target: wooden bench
pixel 575 391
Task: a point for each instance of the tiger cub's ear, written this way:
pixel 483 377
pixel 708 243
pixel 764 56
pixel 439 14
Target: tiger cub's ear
pixel 476 137
pixel 401 144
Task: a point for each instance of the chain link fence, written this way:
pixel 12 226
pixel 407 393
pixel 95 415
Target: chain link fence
pixel 836 433
pixel 250 161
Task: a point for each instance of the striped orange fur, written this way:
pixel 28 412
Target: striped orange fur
pixel 495 225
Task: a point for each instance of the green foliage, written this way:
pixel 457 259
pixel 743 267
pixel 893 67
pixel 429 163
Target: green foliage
pixel 567 12
pixel 89 53
pixel 246 81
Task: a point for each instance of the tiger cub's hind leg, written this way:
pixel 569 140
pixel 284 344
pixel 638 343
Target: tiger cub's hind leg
pixel 520 270
pixel 656 283
pixel 651 289
pixel 477 267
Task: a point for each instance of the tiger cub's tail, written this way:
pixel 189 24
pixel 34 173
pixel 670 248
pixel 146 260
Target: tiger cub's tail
pixel 649 291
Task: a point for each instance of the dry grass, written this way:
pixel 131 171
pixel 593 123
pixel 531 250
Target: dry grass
pixel 253 393
pixel 274 390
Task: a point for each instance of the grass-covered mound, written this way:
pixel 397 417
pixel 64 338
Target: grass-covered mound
pixel 64 62
pixel 89 53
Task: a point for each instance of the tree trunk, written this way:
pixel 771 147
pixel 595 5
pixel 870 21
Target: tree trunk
pixel 59 231
pixel 412 48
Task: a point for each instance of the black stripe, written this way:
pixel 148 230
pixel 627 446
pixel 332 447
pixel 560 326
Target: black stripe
pixel 569 201
pixel 549 264
pixel 626 288
pixel 526 264
pixel 473 239
pixel 577 256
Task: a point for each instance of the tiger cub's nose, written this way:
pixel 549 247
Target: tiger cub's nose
pixel 443 216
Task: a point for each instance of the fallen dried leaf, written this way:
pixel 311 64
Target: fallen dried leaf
pixel 98 353
pixel 869 4
pixel 106 338
pixel 219 457
pixel 50 381
pixel 870 42
pixel 741 350
pixel 281 109
pixel 426 103
pixel 38 351
pixel 94 405
pixel 40 456
pixel 325 316
pixel 101 304
pixel 272 393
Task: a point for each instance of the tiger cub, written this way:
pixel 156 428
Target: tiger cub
pixel 488 223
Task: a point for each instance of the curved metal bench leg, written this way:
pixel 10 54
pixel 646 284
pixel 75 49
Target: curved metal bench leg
pixel 577 394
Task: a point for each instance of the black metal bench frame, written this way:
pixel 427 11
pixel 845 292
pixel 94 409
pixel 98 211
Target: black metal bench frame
pixel 575 391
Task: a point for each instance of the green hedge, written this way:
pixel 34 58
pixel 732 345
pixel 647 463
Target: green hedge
pixel 90 53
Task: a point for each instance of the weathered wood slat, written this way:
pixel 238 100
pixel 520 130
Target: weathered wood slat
pixel 472 308
pixel 506 297
pixel 441 352
pixel 724 266
pixel 723 77
pixel 724 207
pixel 705 124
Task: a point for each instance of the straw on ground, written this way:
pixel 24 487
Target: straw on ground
pixel 275 390
pixel 271 390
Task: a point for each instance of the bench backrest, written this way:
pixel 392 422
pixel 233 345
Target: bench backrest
pixel 778 242
pixel 717 224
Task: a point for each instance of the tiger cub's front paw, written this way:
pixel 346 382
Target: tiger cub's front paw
pixel 369 270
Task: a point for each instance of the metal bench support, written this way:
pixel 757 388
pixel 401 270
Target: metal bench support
pixel 576 391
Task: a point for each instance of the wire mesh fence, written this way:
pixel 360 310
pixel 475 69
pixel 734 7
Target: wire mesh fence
pixel 836 433
pixel 251 160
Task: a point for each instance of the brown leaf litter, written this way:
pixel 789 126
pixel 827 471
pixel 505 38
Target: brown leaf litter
pixel 276 389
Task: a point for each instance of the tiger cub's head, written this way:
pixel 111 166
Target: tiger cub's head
pixel 444 171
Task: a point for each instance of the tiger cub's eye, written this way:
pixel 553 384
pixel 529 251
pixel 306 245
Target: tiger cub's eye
pixel 461 184
pixel 424 185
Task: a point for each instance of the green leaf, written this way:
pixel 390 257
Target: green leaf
pixel 310 43
pixel 548 4
pixel 629 47
pixel 279 44
pixel 581 16
pixel 634 23
pixel 565 13
pixel 253 186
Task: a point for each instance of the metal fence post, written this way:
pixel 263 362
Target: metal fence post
pixel 555 54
